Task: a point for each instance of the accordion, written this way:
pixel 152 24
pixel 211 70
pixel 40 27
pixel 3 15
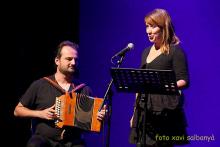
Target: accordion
pixel 78 110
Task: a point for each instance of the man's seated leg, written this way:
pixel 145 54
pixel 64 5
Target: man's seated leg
pixel 38 141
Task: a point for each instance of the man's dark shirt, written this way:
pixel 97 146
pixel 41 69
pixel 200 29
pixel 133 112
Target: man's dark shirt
pixel 41 95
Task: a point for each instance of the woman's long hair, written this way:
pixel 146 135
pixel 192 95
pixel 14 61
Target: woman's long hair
pixel 162 19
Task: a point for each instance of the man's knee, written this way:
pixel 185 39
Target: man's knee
pixel 37 141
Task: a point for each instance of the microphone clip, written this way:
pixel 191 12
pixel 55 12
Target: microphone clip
pixel 120 55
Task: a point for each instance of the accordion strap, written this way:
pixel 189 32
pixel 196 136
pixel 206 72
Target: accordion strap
pixel 79 87
pixel 56 85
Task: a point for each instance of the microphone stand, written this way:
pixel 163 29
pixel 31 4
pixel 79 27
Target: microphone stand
pixel 108 98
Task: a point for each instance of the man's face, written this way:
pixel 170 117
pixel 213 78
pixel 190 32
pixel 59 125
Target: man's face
pixel 67 63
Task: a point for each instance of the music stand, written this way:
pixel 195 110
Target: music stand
pixel 144 80
pixel 148 81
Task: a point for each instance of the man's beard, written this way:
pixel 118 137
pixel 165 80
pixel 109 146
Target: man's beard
pixel 68 72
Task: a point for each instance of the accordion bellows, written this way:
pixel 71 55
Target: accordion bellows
pixel 78 110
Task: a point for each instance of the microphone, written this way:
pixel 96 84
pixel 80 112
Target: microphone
pixel 123 51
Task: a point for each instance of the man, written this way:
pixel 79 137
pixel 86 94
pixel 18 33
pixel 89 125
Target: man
pixel 38 102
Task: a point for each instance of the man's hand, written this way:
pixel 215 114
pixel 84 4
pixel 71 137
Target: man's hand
pixel 102 113
pixel 48 113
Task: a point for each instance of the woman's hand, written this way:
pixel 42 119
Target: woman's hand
pixel 131 121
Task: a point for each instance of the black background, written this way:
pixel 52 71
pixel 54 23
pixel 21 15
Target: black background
pixel 30 32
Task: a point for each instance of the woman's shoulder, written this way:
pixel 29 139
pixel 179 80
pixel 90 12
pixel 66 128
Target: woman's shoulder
pixel 147 49
pixel 176 49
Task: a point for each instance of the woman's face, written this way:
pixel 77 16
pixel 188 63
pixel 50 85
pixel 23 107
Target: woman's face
pixel 154 33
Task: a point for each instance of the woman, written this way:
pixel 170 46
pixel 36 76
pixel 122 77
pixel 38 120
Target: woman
pixel 165 120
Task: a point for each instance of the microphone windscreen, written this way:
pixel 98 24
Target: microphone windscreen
pixel 130 45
